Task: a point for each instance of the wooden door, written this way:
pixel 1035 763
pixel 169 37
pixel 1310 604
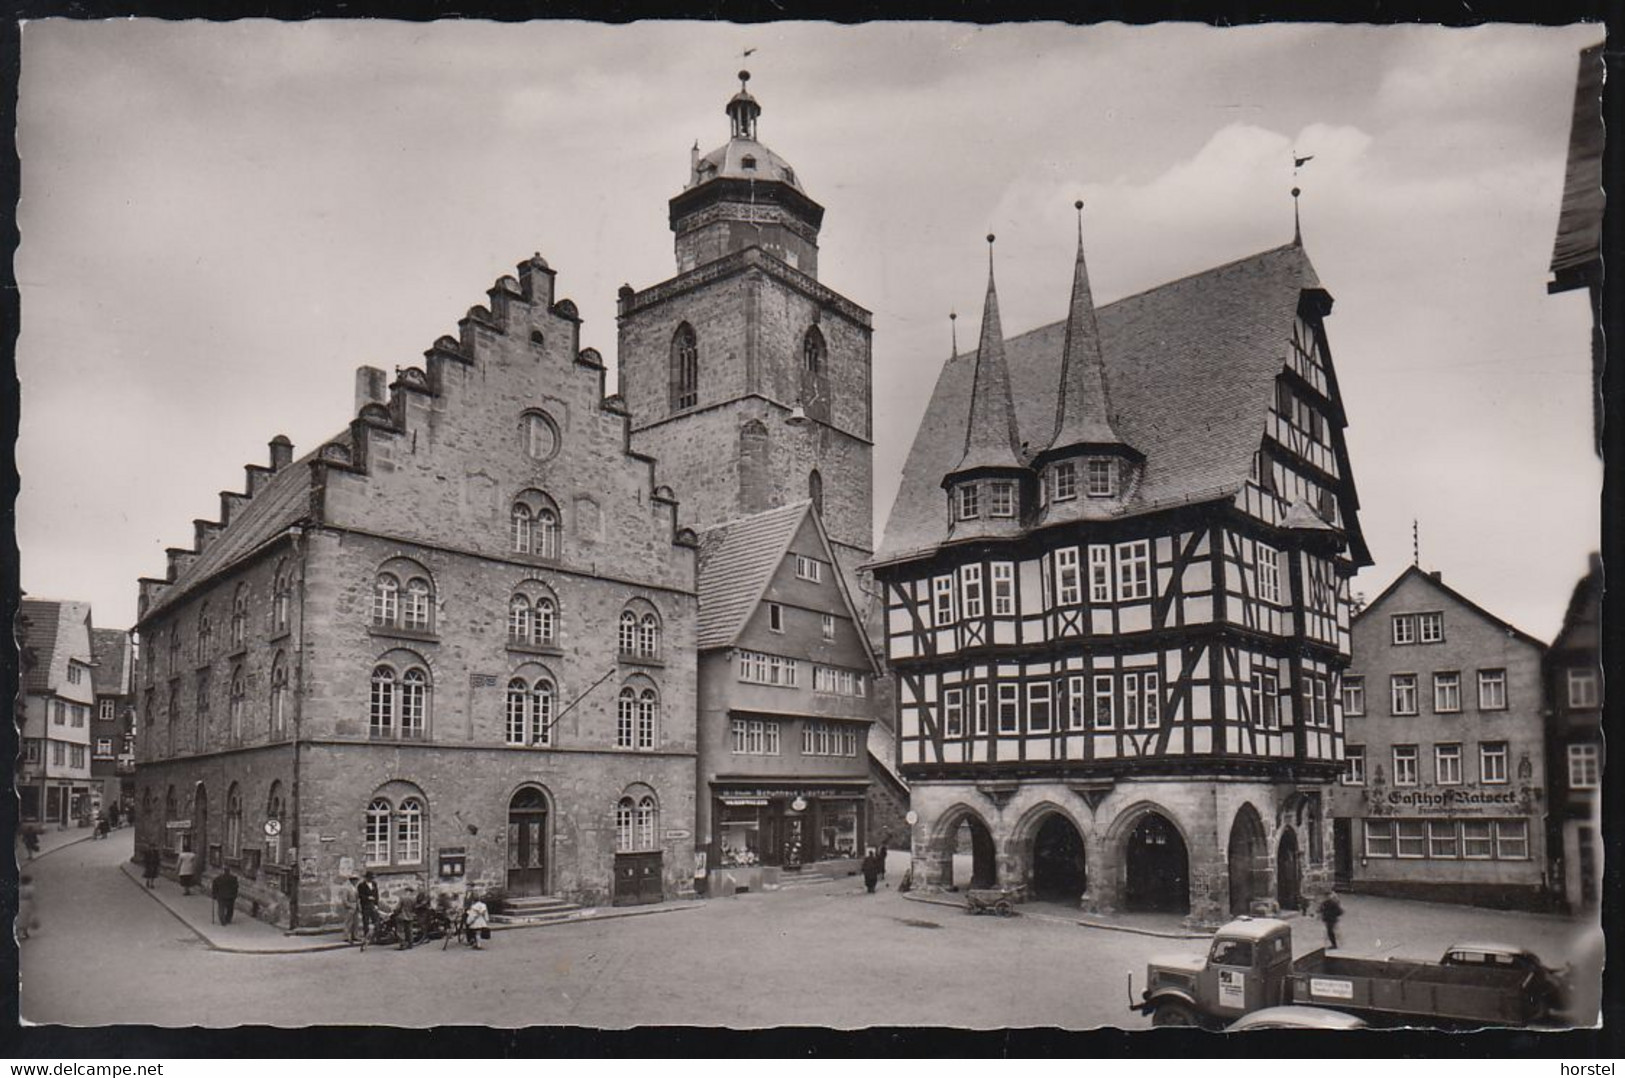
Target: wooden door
pixel 638 879
pixel 1342 851
pixel 527 843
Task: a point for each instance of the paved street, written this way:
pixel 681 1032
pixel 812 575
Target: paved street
pixel 826 955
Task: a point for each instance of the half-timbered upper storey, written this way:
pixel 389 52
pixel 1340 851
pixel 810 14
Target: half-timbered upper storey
pixel 1163 567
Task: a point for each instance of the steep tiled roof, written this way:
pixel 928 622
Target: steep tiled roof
pixel 281 502
pixel 110 650
pixel 736 561
pixel 53 629
pixel 1579 223
pixel 1190 368
pixel 37 624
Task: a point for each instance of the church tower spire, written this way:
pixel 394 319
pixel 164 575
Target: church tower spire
pixel 986 486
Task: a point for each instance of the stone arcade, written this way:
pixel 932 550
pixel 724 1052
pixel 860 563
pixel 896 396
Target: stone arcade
pixel 1116 581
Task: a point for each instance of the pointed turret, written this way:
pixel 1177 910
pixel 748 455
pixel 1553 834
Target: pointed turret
pixel 1082 411
pixel 991 440
pixel 985 489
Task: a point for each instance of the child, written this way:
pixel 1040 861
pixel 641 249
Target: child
pixel 477 917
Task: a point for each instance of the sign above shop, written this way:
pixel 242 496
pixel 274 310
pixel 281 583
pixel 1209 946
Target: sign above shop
pixel 1457 799
pixel 799 804
pixel 728 796
pixel 179 825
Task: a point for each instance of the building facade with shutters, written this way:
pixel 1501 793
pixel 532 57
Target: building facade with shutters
pixel 786 691
pixel 112 728
pixel 1575 748
pixel 1117 598
pixel 1444 790
pixel 454 645
pixel 54 782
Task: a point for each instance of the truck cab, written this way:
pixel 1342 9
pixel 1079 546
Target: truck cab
pixel 1246 968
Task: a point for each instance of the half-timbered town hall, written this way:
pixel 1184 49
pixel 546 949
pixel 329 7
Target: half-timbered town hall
pixel 1116 580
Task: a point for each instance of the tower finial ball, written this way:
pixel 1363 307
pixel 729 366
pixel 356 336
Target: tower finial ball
pixel 744 76
pixel 1296 192
pixel 1078 205
pixel 990 237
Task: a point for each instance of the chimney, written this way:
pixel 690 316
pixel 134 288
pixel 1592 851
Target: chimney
pixel 1437 575
pixel 371 387
pixel 281 452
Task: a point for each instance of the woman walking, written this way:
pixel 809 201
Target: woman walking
pixel 149 865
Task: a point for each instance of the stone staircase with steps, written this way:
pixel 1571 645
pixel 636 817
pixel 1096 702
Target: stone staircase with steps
pixel 536 910
pixel 789 880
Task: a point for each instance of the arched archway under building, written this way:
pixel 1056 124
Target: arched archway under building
pixel 1059 866
pixel 1248 857
pixel 1288 871
pixel 967 853
pixel 1156 867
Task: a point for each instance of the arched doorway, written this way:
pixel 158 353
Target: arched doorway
pixel 1158 869
pixel 527 842
pixel 1288 872
pixel 1059 872
pixel 969 856
pixel 1248 857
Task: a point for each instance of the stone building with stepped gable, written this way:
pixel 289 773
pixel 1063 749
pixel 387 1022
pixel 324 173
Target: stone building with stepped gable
pixel 454 645
pixel 1116 581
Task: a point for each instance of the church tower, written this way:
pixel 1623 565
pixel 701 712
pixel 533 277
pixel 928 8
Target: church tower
pixel 746 378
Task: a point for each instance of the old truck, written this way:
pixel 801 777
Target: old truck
pixel 1249 966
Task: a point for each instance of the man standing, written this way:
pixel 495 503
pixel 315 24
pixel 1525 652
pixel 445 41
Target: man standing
pixel 366 896
pixel 351 903
pixel 224 890
pixel 406 913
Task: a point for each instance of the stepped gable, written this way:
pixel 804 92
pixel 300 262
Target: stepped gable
pixel 736 561
pixel 1191 365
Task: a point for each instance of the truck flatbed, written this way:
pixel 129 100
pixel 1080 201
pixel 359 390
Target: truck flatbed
pixel 1419 990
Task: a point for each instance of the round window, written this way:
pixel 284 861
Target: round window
pixel 541 437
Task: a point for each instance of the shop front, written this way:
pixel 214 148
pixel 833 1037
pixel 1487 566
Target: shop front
pixel 763 835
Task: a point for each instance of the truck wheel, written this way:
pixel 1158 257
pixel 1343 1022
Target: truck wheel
pixel 1004 909
pixel 1174 1014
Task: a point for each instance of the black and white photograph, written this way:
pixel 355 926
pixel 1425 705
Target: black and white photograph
pixel 740 526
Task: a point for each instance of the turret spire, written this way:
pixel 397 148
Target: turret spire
pixel 1082 410
pixel 743 110
pixel 991 438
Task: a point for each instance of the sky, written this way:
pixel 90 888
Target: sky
pixel 221 221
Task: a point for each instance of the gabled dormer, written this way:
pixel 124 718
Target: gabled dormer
pixel 988 489
pixel 1087 467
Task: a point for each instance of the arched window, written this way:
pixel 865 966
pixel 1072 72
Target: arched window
pixel 647 820
pixel 175 650
pixel 205 634
pixel 629 633
pixel 530 712
pixel 415 612
pixel 385 599
pixel 234 706
pixel 649 636
pixel 624 834
pixel 279 698
pixel 626 709
pixel 281 599
pixel 648 708
pixel 519 620
pixel 540 437
pixel 815 490
pixel 812 351
pixel 173 718
pixel 239 616
pixel 381 711
pixel 376 837
pixel 409 832
pixel 685 368
pixel 755 467
pixel 234 821
pixel 535 525
pixel 414 703
pixel 169 804
pixel 547 621
pixel 146 803
pixel 637 824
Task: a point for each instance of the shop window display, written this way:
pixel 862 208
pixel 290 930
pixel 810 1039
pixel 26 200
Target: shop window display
pixel 839 834
pixel 740 836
